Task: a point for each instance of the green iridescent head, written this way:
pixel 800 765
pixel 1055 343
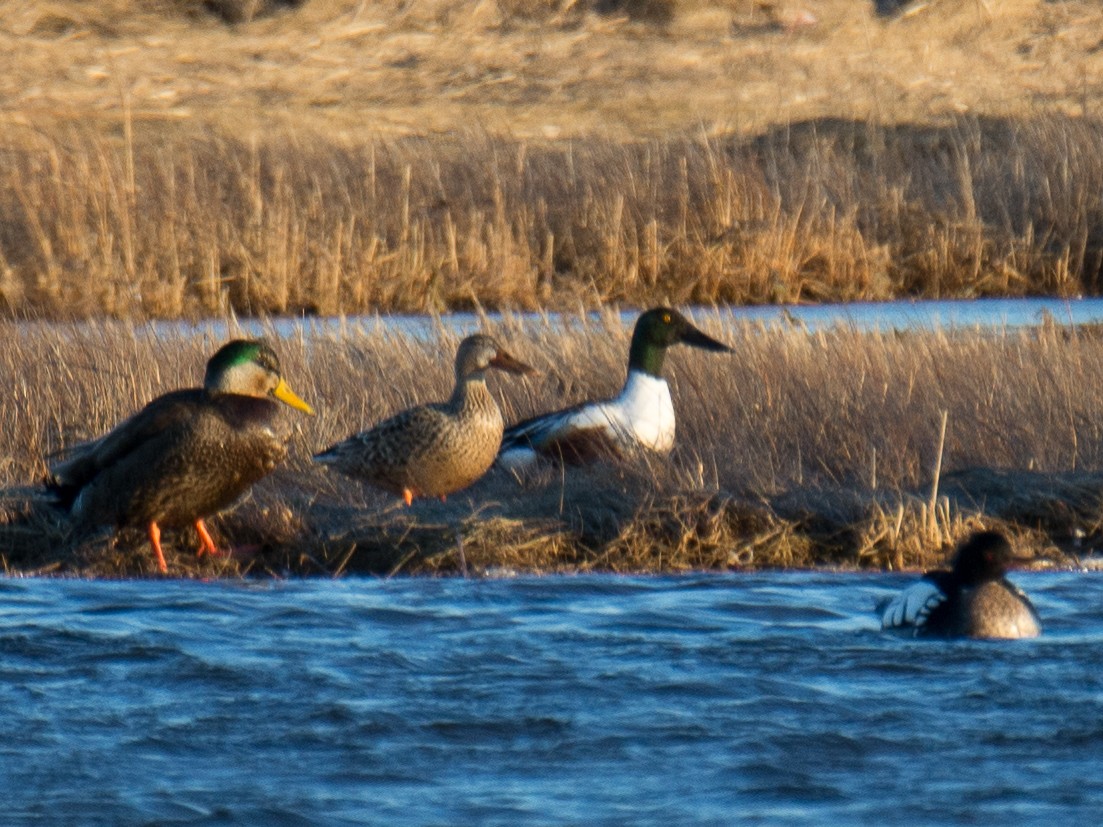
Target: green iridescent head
pixel 251 368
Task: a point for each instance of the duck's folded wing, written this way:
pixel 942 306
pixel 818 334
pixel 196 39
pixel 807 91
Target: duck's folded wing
pixel 912 607
pixel 391 442
pixel 578 434
pixel 87 459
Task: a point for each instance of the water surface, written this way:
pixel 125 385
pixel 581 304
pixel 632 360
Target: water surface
pixel 885 316
pixel 704 699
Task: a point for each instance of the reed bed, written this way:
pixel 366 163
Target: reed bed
pixel 298 224
pixel 844 448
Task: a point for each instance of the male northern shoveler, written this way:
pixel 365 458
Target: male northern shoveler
pixel 973 599
pixel 186 455
pixel 434 450
pixel 641 416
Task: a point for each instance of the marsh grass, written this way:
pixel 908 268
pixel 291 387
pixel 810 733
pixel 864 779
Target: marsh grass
pixel 798 449
pixel 206 225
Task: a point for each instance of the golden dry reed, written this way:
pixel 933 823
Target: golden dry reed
pixel 164 223
pixel 801 448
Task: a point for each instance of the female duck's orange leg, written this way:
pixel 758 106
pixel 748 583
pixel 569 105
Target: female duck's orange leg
pixel 408 496
pixel 155 541
pixel 207 545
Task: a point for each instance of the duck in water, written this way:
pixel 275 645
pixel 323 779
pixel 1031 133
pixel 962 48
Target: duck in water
pixel 972 599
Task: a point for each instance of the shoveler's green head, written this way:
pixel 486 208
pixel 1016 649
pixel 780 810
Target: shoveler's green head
pixel 251 368
pixel 479 352
pixel 658 329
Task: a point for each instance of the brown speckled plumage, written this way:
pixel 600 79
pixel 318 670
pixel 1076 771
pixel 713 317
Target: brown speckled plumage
pixel 187 454
pixel 434 450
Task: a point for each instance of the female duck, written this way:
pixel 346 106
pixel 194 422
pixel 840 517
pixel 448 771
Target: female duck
pixel 973 599
pixel 186 455
pixel 434 450
pixel 641 416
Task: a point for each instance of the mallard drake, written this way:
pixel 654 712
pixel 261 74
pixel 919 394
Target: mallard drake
pixel 972 599
pixel 434 450
pixel 641 416
pixel 184 456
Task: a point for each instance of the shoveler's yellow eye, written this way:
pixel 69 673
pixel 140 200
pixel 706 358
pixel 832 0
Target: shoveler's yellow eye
pixel 666 318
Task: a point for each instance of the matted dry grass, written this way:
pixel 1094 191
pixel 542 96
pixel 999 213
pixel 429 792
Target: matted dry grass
pixel 799 449
pixel 622 69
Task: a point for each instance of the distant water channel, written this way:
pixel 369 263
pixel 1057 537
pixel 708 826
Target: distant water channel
pixel 599 700
pixel 897 315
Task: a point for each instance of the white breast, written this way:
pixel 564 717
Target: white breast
pixel 645 412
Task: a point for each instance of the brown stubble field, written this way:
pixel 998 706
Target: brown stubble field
pixel 343 157
pixel 798 449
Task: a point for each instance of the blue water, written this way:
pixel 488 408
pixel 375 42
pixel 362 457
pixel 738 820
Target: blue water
pixel 704 699
pixel 895 315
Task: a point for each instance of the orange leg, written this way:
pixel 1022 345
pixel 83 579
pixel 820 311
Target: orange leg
pixel 444 498
pixel 206 544
pixel 408 496
pixel 155 541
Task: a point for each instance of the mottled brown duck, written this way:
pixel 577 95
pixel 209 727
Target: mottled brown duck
pixel 434 450
pixel 186 455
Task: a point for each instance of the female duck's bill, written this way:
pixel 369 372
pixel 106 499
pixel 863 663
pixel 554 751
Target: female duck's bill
pixel 641 416
pixel 973 599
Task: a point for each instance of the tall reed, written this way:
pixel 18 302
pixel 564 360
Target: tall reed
pixel 187 225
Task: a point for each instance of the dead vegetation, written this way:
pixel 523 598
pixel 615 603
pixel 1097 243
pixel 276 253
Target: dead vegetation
pixel 825 211
pixel 802 449
pixel 342 157
pixel 158 160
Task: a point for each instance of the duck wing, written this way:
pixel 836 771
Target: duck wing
pixel 390 444
pixel 158 420
pixel 574 435
pixel 913 607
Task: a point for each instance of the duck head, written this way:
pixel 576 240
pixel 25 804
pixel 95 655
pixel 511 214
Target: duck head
pixel 479 352
pixel 658 329
pixel 982 557
pixel 250 367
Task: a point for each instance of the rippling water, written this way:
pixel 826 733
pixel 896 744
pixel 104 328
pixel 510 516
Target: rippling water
pixel 705 699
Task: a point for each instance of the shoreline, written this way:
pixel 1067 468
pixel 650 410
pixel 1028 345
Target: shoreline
pixel 801 449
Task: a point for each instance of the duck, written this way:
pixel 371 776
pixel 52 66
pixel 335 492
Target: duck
pixel 186 455
pixel 641 416
pixel 436 449
pixel 972 599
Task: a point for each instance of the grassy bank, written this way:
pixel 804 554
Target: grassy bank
pixel 340 156
pixel 193 225
pixel 800 449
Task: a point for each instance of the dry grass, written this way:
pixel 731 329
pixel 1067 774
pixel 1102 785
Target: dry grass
pixel 190 159
pixel 801 449
pixel 340 156
pixel 623 69
pixel 296 224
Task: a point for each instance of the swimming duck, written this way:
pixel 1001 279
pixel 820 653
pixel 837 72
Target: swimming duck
pixel 434 450
pixel 973 599
pixel 186 455
pixel 641 416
